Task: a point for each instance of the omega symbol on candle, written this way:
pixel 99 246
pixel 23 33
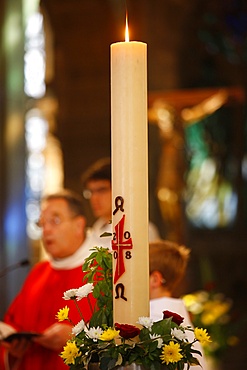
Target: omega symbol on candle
pixel 120 289
pixel 121 242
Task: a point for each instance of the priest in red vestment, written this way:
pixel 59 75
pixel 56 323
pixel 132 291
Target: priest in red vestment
pixel 36 306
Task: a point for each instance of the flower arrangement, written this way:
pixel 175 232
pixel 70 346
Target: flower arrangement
pixel 154 345
pixel 212 311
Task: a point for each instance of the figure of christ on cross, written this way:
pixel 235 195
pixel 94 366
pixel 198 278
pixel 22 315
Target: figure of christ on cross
pixel 121 241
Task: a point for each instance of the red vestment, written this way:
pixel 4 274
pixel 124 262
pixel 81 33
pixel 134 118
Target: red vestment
pixel 35 308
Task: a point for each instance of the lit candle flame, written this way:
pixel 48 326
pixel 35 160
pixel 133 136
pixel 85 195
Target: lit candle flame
pixel 126 30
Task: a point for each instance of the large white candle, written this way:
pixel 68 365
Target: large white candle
pixel 129 181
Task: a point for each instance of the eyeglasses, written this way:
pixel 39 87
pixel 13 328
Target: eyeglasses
pixel 52 221
pixel 87 193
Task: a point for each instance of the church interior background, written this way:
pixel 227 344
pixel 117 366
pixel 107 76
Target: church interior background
pixel 55 122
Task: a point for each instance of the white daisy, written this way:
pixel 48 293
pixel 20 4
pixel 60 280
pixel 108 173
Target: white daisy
pixel 147 322
pixel 70 294
pixel 159 340
pixel 83 291
pixel 179 334
pixel 94 333
pixel 78 327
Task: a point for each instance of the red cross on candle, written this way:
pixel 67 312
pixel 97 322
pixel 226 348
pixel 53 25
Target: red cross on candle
pixel 119 244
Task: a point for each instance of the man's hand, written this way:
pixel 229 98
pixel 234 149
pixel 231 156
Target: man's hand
pixel 17 347
pixel 54 337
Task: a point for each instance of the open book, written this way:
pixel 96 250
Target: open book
pixel 8 333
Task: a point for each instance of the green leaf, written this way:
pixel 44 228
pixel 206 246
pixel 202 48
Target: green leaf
pixel 99 258
pixel 162 327
pixel 105 234
pixel 107 363
pixel 96 291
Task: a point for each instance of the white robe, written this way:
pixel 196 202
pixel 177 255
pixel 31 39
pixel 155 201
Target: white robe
pixel 176 305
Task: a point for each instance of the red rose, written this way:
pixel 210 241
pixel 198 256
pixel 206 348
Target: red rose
pixel 175 317
pixel 127 331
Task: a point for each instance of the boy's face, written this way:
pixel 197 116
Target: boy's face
pixel 100 198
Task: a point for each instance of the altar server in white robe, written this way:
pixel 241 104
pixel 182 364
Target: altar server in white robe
pixel 168 262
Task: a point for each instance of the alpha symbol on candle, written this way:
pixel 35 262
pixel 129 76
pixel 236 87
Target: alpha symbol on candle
pixel 121 241
pixel 119 202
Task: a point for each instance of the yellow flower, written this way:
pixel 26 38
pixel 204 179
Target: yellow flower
pixel 202 336
pixel 189 299
pixel 214 311
pixel 63 314
pixel 170 353
pixel 109 334
pixel 70 353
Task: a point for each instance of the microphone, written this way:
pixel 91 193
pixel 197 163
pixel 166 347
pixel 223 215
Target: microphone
pixel 21 263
